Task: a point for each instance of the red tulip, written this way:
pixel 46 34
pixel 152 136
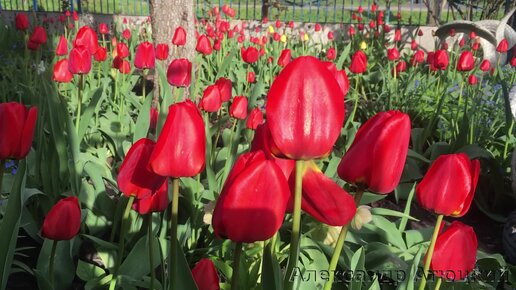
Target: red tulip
pixel 513 61
pixel 87 37
pixel 252 204
pixel 414 45
pixel 418 57
pixel 157 202
pixel 466 61
pixel 126 34
pixel 210 101
pixel 179 73
pixel 103 28
pixel 440 59
pixel 251 77
pixel 117 62
pixel 393 54
pixel 32 45
pixel 250 54
pixel 17 125
pixel 63 221
pixel 135 177
pixel 205 275
pixel 397 35
pixel 358 62
pixel 330 35
pixel 340 76
pixel 485 65
pixel 101 54
pixel 401 66
pixel 181 147
pixel 179 37
pixel 75 15
pixel 145 56
pixel 79 61
pixel 472 80
pixel 351 31
pixel 305 111
pixel 203 45
pixel 377 155
pixel 503 46
pixel 162 51
pixel 255 119
pixel 455 252
pixel 39 35
pixel 125 67
pixel 330 54
pixel 462 42
pixel 62 46
pixel 449 185
pixel 122 50
pixel 285 57
pixel 317 27
pixel 153 119
pixel 217 45
pixel 238 109
pixel 373 8
pixel 21 21
pixel 61 73
pixel 225 86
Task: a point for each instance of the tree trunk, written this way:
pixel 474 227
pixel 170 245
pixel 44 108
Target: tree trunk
pixel 434 12
pixel 166 16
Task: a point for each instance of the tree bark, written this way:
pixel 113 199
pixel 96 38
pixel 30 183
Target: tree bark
pixel 166 16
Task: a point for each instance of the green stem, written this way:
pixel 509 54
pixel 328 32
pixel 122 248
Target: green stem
pixel 355 105
pixel 2 169
pixel 505 147
pixel 236 266
pixel 296 226
pixel 123 230
pixel 143 84
pixel 340 243
pixel 51 264
pixel 173 233
pixel 79 104
pixel 229 160
pixel 151 251
pixel 438 283
pixel 430 251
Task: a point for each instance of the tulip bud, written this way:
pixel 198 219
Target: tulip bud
pixel 250 54
pixel 503 46
pixel 210 101
pixel 125 67
pixel 179 38
pixel 393 54
pixel 225 88
pixel 122 50
pixel 440 59
pixel 255 119
pixel 330 54
pixel 205 275
pixel 449 185
pixel 251 77
pixel 79 61
pixel 358 62
pixel 145 56
pixel 238 109
pixel 103 29
pixel 485 65
pixel 181 147
pixel 38 36
pixel 21 21
pixel 157 202
pixel 362 217
pixel 126 34
pixel 62 46
pixel 17 130
pixel 63 221
pixel 466 61
pixel 179 72
pixel 61 73
pixel 284 58
pixel 203 45
pixel 87 37
pixel 472 80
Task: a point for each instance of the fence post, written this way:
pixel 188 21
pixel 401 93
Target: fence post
pixel 71 6
pixel 35 5
pixel 79 6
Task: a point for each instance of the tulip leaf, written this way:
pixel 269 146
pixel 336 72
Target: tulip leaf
pixel 415 237
pixel 10 225
pixel 136 264
pixel 409 281
pixel 64 268
pixel 271 272
pixel 389 212
pixel 358 269
pixel 343 56
pixel 228 60
pixel 86 271
pixel 387 231
pixel 88 113
pixel 143 121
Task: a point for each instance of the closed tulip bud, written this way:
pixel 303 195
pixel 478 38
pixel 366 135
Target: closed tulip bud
pixel 21 21
pixel 305 111
pixel 205 275
pixel 145 56
pixel 210 101
pixel 62 46
pixel 63 221
pixel 181 147
pixel 17 129
pixel 179 38
pixel 462 42
pixel 466 61
pixel 503 46
pixel 75 15
pixel 472 35
pixel 87 37
pixel 485 65
pixel 420 32
pixel 513 61
pixel 250 54
pixel 79 61
pixel 401 66
pixel 414 45
pixel 386 28
pixel 372 24
pixel 251 77
pixel 331 54
pixel 330 35
pixel 252 204
pixel 39 35
pixel 255 119
pixel 217 45
pixel 449 185
pixel 225 86
pixel 135 177
pixel 284 57
pixel 61 73
pixel 475 46
pixel 317 27
pixel 340 76
pixel 122 50
pixel 278 23
pixel 125 67
pixel 32 45
pixel 373 8
pixel 360 9
pixel 101 54
pixel 358 62
pixel 203 45
pixel 179 73
pixel 291 24
pixel 377 155
pixel 418 57
pixel 441 59
pixel 397 35
pixel 393 54
pixel 452 32
pixel 472 80
pixel 455 252
pixel 126 34
pixel 238 109
pixel 351 31
pixel 153 116
pixel 103 28
pixel 117 63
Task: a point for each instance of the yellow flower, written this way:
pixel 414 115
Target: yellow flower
pixel 305 38
pixel 271 29
pixel 363 45
pixel 283 38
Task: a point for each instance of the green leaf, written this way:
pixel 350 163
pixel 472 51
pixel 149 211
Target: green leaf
pixel 357 266
pixel 10 225
pixel 64 268
pixel 390 212
pixel 87 115
pixel 227 62
pixel 86 271
pixel 136 264
pixel 408 283
pixel 143 121
pixel 271 272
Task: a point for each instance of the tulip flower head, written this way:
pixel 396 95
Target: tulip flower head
pixel 17 125
pixel 63 221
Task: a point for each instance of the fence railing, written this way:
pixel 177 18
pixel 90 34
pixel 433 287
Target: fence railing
pixel 323 11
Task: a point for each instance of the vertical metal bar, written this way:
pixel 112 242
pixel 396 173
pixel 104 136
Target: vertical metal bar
pixel 239 12
pixel 254 9
pixel 35 5
pixel 368 8
pixel 71 5
pixel 420 13
pixel 350 10
pixel 318 9
pixel 310 10
pixel 141 7
pixel 326 12
pixel 302 16
pixel 334 11
pixel 448 12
